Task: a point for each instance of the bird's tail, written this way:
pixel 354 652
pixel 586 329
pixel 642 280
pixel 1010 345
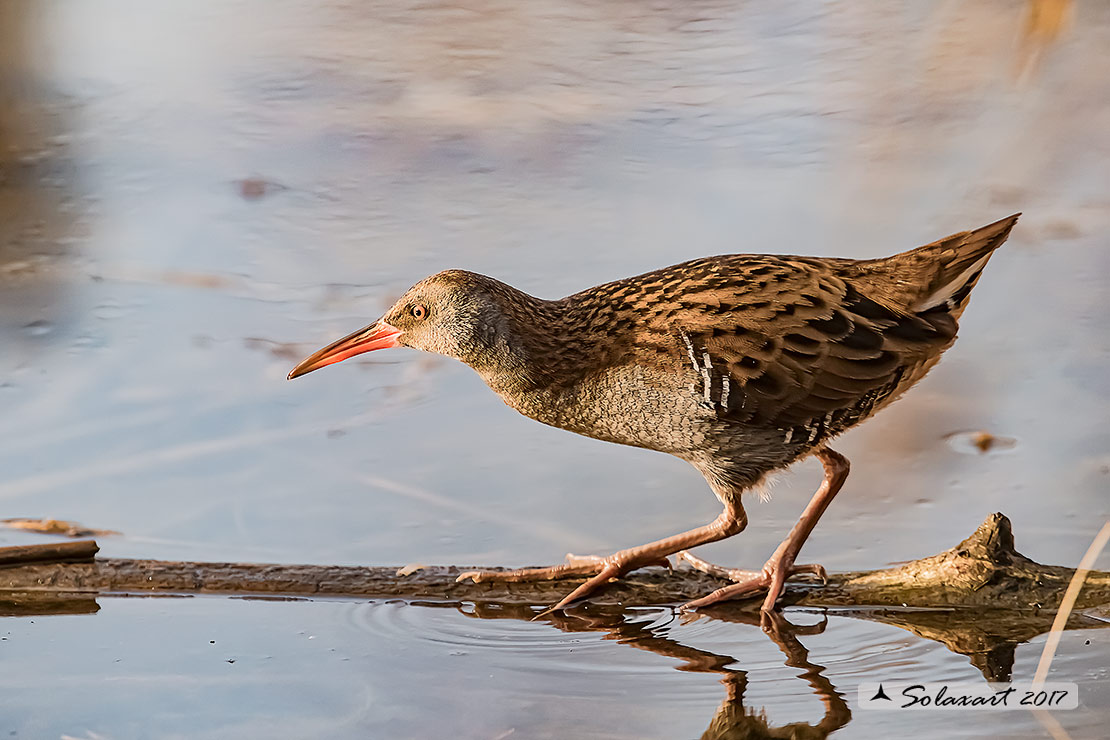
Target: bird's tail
pixel 940 275
pixel 959 261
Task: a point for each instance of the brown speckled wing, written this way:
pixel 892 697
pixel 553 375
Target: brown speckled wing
pixel 804 345
pixel 791 344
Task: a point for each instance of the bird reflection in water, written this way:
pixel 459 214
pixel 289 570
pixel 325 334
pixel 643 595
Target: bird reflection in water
pixel 733 720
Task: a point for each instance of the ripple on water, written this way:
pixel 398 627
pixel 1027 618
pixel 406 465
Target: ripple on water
pixel 87 342
pixel 109 311
pixel 596 658
pixel 979 442
pixel 38 328
pixel 861 649
pixel 461 627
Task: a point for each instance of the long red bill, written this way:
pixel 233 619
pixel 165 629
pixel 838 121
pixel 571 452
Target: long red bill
pixel 379 335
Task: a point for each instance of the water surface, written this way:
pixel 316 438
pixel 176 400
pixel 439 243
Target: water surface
pixel 195 194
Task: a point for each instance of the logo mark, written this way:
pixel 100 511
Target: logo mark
pixel 880 694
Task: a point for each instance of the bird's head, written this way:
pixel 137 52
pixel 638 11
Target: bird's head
pixel 454 313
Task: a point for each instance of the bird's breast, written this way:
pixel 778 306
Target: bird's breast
pixel 630 404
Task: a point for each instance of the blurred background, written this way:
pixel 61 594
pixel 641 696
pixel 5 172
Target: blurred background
pixel 194 195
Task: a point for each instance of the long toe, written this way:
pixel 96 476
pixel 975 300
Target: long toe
pixel 521 575
pixel 599 561
pixel 777 573
pixel 732 574
pixel 728 593
pixel 573 559
pixel 740 575
pixel 575 566
pixel 809 569
pixel 771 579
pixel 608 573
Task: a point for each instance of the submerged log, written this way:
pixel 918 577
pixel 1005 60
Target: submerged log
pixel 985 570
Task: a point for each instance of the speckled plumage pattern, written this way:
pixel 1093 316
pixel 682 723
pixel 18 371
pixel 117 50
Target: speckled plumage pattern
pixel 739 364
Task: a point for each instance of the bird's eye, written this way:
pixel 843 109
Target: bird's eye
pixel 419 311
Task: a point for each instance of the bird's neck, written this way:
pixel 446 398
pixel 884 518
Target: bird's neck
pixel 539 347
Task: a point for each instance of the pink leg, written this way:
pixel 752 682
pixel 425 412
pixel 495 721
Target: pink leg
pixel 781 564
pixel 731 521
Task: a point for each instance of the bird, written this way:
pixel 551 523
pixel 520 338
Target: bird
pixel 739 364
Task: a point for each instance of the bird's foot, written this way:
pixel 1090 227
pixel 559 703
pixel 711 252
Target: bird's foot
pixel 603 570
pixel 570 569
pixel 575 566
pixel 599 561
pixel 772 579
pixel 739 574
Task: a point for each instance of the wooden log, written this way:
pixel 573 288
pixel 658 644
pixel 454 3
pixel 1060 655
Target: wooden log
pixel 985 570
pixel 981 598
pixel 82 551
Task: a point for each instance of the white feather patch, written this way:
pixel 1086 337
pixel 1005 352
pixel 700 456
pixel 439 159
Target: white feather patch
pixel 946 291
pixel 705 370
pixel 765 487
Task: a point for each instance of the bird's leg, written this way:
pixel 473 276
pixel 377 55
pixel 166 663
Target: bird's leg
pixel 780 566
pixel 731 521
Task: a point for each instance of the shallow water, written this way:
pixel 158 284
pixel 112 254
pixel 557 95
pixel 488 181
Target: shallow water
pixel 193 195
pixel 215 668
